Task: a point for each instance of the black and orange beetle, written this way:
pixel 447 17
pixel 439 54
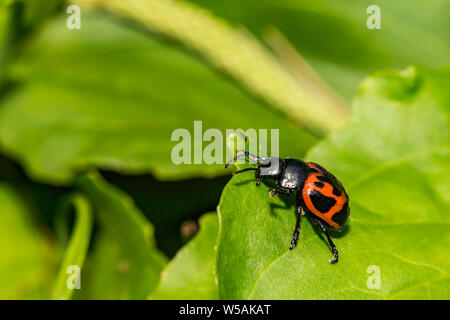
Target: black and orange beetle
pixel 319 194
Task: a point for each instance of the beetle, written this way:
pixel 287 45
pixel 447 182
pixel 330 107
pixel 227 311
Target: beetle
pixel 319 194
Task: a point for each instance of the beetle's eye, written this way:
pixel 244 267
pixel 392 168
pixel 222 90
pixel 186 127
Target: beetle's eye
pixel 272 167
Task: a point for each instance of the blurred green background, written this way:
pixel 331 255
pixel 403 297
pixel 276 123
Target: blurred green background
pixel 108 96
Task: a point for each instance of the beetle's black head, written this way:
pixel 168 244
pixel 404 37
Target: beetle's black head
pixel 267 167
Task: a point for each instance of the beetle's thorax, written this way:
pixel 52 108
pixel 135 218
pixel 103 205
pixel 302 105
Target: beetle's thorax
pixel 294 174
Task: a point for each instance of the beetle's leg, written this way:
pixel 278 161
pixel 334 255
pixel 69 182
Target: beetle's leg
pixel 333 249
pixel 258 176
pixel 244 170
pixel 273 192
pixel 296 234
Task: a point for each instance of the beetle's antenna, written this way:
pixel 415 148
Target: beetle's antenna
pixel 246 169
pixel 243 153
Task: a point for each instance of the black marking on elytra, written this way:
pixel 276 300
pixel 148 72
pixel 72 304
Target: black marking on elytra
pixel 336 191
pixel 313 170
pixel 328 178
pixel 321 202
pixel 341 216
pixel 319 184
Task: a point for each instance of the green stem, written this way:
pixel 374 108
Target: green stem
pixel 233 51
pixel 77 248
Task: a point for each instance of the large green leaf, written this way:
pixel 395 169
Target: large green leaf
pixel 111 97
pixel 153 197
pixel 191 274
pixel 25 270
pixel 394 161
pixel 124 262
pixel 333 37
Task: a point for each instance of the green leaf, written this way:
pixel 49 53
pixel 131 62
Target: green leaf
pixel 24 265
pixel 153 197
pixel 397 147
pixel 233 52
pixel 109 102
pixel 18 19
pixel 191 274
pixel 394 162
pixel 75 253
pixel 124 262
pixel 333 37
